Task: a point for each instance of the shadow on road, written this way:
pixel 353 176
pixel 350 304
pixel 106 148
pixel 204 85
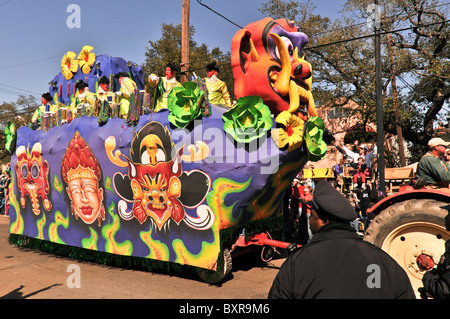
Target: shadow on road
pixel 17 294
pixel 246 259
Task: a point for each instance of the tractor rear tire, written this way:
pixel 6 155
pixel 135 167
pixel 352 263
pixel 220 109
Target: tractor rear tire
pixel 409 229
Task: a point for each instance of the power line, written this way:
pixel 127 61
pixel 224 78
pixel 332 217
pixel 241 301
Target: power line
pixel 3 3
pixel 393 17
pixel 62 54
pixel 200 2
pixel 371 35
pixel 346 40
pixel 30 62
pixel 10 92
pixel 351 26
pixel 16 93
pixel 409 85
pixel 34 93
pixel 28 110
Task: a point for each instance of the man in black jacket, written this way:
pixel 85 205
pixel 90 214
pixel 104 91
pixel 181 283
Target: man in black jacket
pixel 337 263
pixel 436 282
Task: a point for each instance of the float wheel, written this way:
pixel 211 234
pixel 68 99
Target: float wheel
pixel 224 267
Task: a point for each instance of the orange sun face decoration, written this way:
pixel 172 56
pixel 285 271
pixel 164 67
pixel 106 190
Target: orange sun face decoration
pixel 268 61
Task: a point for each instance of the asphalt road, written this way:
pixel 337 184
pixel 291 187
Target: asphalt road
pixel 29 274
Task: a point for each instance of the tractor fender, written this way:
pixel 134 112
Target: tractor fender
pixel 440 194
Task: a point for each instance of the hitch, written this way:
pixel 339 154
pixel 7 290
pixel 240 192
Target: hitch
pixel 265 240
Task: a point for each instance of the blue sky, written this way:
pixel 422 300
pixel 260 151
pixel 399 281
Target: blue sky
pixel 35 35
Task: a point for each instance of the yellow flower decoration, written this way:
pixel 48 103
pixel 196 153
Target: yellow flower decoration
pixel 69 65
pixel 291 131
pixel 86 58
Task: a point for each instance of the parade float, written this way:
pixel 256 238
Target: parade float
pixel 174 187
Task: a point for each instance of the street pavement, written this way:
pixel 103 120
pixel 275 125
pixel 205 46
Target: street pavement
pixel 29 274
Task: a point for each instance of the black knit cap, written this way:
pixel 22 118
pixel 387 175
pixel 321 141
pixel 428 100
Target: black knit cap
pixel 331 204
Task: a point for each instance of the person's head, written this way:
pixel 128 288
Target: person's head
pixel 171 70
pixel 104 83
pixel 307 190
pixel 363 149
pixel 120 76
pixel 46 98
pixel 80 86
pixel 348 159
pixel 447 154
pixel 329 205
pixel 316 222
pixel 211 69
pixel 438 146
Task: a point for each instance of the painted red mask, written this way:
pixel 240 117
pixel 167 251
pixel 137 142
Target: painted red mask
pixel 156 189
pixel 32 177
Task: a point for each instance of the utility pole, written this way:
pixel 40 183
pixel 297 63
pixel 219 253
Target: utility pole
pixel 398 126
pixel 379 102
pixel 185 39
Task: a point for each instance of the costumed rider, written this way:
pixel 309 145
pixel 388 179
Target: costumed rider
pixel 163 86
pixel 217 89
pixel 46 106
pixel 105 98
pixel 431 169
pixel 337 263
pixel 84 101
pixel 103 93
pixel 127 88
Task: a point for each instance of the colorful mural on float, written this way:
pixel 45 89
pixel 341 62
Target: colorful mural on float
pixel 136 191
pixel 162 185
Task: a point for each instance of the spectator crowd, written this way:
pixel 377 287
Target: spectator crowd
pixel 355 176
pixel 5 179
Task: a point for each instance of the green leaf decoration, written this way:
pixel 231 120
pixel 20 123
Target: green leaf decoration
pixel 248 120
pixel 313 138
pixel 185 104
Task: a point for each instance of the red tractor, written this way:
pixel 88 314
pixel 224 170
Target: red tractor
pixel 410 226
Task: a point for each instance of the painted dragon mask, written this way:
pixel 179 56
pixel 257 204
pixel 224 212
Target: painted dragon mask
pixel 267 59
